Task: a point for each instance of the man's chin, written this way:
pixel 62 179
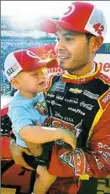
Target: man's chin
pixel 64 66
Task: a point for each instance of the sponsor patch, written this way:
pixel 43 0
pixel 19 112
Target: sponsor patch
pixel 79 111
pixel 104 100
pixel 91 95
pixel 72 100
pixel 98 162
pixel 75 160
pixel 75 90
pixel 67 158
pixel 86 106
pixel 103 146
pixel 59 87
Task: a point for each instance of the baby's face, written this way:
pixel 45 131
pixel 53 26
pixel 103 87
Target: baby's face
pixel 32 82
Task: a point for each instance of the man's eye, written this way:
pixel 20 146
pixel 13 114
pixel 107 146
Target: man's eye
pixel 66 38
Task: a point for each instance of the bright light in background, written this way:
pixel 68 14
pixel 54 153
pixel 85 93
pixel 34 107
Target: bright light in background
pixel 33 8
pixel 26 12
pixel 22 21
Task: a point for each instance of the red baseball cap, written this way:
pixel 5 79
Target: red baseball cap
pixel 80 17
pixel 25 60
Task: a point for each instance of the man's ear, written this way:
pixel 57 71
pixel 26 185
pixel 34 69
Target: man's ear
pixel 96 43
pixel 15 83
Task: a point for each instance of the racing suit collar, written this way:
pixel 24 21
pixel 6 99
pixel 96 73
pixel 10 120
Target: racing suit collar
pixel 69 78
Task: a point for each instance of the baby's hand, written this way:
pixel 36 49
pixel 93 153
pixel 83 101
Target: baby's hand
pixel 69 138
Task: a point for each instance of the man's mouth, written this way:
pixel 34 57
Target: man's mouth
pixel 60 57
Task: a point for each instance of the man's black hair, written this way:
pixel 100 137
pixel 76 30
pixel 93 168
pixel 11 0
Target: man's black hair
pixel 89 36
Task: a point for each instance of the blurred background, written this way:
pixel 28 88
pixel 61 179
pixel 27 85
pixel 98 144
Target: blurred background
pixel 19 29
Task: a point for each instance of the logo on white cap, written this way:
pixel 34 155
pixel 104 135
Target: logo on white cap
pixel 12 67
pixel 96 23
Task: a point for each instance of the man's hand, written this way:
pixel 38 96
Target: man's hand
pixel 16 152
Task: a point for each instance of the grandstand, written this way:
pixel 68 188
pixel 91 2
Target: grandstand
pixel 13 39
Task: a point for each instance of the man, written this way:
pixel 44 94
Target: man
pixel 79 100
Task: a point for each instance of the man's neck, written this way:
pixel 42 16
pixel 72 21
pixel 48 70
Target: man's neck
pixel 92 70
pixel 89 69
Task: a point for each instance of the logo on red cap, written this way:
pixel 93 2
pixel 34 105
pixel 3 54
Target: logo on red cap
pixel 70 10
pixel 31 54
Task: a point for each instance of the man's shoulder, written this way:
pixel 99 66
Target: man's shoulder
pixel 55 77
pixel 104 78
pixel 104 99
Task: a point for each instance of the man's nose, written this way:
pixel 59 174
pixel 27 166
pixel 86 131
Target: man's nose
pixel 60 46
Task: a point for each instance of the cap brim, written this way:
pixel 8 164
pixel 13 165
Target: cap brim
pixel 47 63
pixel 52 63
pixel 49 26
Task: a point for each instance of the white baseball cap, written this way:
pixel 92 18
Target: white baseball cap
pixel 24 60
pixel 79 17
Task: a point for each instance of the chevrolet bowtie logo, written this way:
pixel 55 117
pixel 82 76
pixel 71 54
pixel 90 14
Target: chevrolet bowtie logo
pixel 75 90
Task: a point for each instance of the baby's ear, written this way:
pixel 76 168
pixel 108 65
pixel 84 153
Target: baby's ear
pixel 14 82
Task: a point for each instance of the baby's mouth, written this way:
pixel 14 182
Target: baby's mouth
pixel 41 83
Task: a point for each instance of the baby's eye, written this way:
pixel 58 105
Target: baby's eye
pixel 68 38
pixel 57 38
pixel 35 74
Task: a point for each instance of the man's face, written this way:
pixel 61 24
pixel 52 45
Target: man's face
pixel 72 49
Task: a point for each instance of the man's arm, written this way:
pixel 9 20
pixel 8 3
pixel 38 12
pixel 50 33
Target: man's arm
pixel 93 161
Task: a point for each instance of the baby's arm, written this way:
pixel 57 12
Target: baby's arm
pixel 36 149
pixel 39 134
